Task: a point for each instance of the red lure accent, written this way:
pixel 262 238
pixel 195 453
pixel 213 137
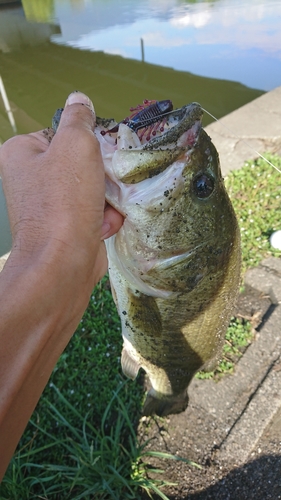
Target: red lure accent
pixel 150 116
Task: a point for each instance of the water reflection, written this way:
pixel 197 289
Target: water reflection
pixel 16 31
pixel 40 11
pixel 228 39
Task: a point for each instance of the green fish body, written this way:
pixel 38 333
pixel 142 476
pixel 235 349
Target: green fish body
pixel 174 265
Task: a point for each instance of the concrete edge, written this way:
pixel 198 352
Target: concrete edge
pixel 254 420
pixel 254 128
pixel 263 399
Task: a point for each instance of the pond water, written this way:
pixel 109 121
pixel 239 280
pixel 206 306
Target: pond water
pixel 221 53
pixel 228 39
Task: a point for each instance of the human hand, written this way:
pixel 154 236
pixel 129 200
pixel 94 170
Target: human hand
pixel 55 190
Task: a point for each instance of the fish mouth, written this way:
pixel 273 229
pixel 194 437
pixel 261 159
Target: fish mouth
pixel 130 158
pixel 180 128
pixel 186 120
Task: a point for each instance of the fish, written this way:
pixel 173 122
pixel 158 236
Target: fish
pixel 175 263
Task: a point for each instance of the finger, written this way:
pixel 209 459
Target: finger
pixel 78 112
pixel 75 136
pixel 80 98
pixel 42 138
pixel 22 148
pixel 112 222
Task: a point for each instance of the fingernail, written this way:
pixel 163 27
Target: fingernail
pixel 77 97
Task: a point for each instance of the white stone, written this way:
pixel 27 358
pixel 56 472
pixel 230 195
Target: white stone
pixel 275 240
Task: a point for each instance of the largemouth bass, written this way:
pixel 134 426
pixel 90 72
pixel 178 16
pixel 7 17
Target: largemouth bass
pixel 174 266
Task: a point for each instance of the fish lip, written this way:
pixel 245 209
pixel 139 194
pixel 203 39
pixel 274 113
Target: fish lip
pixel 189 116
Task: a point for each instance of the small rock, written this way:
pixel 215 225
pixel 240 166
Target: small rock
pixel 275 239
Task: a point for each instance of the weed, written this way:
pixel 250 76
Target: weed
pixel 255 194
pixel 101 463
pixel 238 336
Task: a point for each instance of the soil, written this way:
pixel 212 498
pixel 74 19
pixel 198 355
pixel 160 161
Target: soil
pixel 258 479
pixel 196 435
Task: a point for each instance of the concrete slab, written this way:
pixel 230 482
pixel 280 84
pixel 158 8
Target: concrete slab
pixel 254 420
pixel 265 279
pixel 251 128
pixel 245 403
pixel 249 402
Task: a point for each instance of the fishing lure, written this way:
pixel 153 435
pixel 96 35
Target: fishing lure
pixel 150 116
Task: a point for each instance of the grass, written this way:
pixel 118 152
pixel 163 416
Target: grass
pixel 238 336
pixel 81 441
pixel 99 462
pixel 255 192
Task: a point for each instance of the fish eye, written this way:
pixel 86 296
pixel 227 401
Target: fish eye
pixel 203 185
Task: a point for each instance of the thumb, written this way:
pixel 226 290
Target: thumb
pixel 78 112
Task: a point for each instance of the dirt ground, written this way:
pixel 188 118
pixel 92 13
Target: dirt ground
pixel 195 435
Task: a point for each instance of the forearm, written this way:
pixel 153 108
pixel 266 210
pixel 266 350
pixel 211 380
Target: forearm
pixel 38 317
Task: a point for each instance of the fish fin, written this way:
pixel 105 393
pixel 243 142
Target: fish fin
pixel 130 367
pixel 145 313
pixel 162 406
pixel 210 366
